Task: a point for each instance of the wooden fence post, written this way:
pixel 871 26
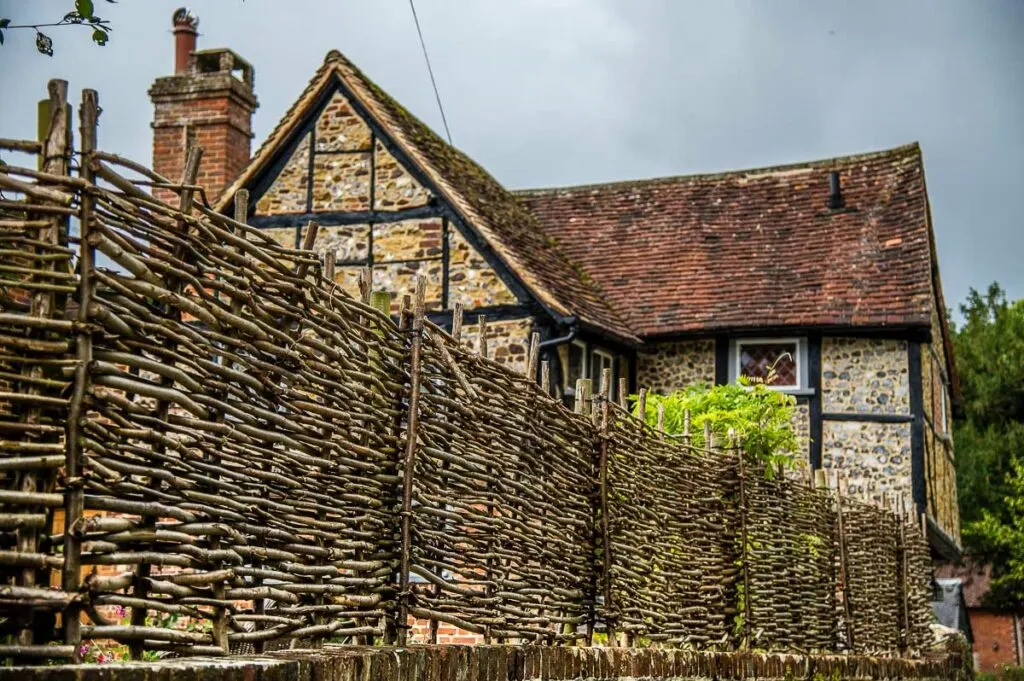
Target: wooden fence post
pixel 412 428
pixel 35 482
pixel 193 156
pixel 602 468
pixel 74 464
pixel 844 566
pixel 744 541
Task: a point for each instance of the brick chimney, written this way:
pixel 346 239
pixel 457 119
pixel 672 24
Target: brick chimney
pixel 209 98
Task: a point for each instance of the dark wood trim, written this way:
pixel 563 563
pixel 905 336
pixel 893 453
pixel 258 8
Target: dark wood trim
pixel 721 359
pixel 343 152
pixel 259 184
pixel 405 261
pixel 914 332
pixel 373 203
pixel 340 218
pixel 944 546
pixel 445 287
pixel 601 336
pixel 868 418
pixel 310 170
pixel 504 272
pixel 814 416
pixel 917 467
pixel 495 313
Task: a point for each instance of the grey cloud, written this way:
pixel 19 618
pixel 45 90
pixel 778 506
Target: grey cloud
pixel 554 92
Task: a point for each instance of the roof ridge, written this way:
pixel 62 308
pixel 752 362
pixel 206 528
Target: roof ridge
pixel 665 179
pixel 510 230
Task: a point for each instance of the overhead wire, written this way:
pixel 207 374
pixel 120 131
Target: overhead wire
pixel 430 70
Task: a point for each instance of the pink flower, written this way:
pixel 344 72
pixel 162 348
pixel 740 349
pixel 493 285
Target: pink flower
pixel 102 658
pixel 121 611
pixel 83 650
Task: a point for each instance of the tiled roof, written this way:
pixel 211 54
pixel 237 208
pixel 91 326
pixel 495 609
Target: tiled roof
pixel 754 248
pixel 509 230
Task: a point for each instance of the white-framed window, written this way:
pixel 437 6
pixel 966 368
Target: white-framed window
pixel 781 363
pixel 599 361
pixel 587 361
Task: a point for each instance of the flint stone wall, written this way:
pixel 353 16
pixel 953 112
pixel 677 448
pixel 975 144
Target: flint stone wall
pixel 508 663
pixel 872 457
pixel 667 367
pixel 508 342
pixel 865 376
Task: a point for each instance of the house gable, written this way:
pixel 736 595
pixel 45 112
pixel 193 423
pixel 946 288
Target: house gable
pixel 375 209
pixel 487 216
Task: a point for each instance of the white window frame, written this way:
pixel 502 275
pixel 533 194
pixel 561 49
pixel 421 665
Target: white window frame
pixel 585 350
pixel 610 357
pixel 735 352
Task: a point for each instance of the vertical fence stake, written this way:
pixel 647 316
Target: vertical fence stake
pixel 744 558
pixel 410 454
pixel 74 496
pixel 193 156
pixel 545 377
pixel 457 323
pixel 844 569
pixel 54 160
pixel 482 321
pixel 904 641
pixel 259 604
pixel 605 435
pixel 533 357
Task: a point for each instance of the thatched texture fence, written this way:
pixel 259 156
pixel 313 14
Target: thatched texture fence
pixel 198 426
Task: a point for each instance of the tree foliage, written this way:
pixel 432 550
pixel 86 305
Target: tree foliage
pixel 760 417
pixel 989 350
pixel 83 14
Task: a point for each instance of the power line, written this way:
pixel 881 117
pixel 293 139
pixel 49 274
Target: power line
pixel 433 82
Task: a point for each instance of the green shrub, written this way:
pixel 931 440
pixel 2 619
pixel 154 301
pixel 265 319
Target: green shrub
pixel 760 417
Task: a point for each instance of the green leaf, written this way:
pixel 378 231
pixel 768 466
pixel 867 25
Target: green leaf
pixel 4 23
pixel 44 44
pixel 84 7
pixel 100 37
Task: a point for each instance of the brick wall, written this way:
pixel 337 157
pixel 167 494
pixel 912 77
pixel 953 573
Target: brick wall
pixel 995 644
pixel 215 109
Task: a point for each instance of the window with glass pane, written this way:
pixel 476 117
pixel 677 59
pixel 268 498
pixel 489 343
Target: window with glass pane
pixel 773 363
pixel 599 361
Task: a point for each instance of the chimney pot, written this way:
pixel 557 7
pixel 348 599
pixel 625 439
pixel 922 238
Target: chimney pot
pixel 185 25
pixel 835 191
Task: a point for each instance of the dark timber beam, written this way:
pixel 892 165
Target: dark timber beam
pixel 347 217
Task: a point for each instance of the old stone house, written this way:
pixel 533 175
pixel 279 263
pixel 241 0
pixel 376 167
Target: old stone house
pixel 829 264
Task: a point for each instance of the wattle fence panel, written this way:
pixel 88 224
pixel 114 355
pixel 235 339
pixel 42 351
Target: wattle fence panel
pixel 207 448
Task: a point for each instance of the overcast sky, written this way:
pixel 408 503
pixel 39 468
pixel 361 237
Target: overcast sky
pixel 557 92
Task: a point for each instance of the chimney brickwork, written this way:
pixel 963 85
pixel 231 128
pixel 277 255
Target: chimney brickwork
pixel 209 99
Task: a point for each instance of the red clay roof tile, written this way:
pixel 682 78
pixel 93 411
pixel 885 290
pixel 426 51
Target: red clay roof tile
pixel 754 248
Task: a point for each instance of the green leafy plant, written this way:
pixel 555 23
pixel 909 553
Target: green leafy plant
pixel 760 417
pixel 84 14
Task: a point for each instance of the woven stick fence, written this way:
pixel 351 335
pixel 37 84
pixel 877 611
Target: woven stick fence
pixel 205 428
